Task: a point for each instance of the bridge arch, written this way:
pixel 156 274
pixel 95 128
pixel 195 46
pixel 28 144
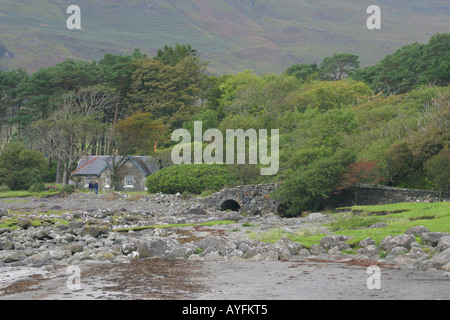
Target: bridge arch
pixel 230 204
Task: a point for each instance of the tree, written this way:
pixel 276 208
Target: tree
pixel 338 66
pixel 438 171
pixel 358 173
pixel 135 134
pixel 410 67
pixel 168 92
pixel 172 56
pixel 303 71
pixel 67 135
pixel 21 167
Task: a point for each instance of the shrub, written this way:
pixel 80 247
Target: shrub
pixel 4 188
pixel 68 188
pixel 37 187
pixel 190 178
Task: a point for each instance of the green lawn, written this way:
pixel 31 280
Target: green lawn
pixel 399 218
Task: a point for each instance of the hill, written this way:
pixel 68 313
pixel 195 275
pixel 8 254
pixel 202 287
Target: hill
pixel 261 35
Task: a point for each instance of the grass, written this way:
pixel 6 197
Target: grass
pixel 398 217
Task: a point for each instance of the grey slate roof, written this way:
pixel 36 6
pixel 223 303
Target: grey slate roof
pixel 95 165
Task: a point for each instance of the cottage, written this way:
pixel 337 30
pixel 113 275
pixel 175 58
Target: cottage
pixel 131 172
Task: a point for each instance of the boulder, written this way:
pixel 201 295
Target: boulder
pixel 443 244
pixel 59 254
pixel 417 230
pixel 396 251
pixel 432 238
pixel 74 247
pixel 180 253
pixel 317 250
pixel 128 248
pixel 402 240
pixel 6 245
pixel 286 245
pixel 5 230
pixel 40 258
pixel 76 224
pixel 329 242
pixel 439 260
pixel 4 212
pixel 314 217
pixel 367 242
pixel 370 250
pixel 9 256
pixel 210 242
pixel 156 247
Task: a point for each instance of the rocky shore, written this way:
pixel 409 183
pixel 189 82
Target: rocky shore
pixel 85 229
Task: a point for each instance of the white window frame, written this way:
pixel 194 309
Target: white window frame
pixel 129 178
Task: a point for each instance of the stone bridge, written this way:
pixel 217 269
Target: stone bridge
pixel 252 199
pixel 255 199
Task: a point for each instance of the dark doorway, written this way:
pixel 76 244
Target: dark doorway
pixel 230 205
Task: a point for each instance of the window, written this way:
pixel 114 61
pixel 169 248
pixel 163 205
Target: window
pixel 129 181
pixel 88 180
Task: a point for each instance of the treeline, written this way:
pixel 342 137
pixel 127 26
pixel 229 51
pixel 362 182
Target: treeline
pixel 339 124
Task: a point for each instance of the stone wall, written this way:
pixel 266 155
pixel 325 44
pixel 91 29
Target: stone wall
pixel 367 194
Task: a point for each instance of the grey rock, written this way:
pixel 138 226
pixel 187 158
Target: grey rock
pixel 128 248
pixel 9 256
pixel 197 211
pixel 254 211
pixel 432 238
pixel 74 247
pixel 402 240
pixel 179 253
pixel 76 224
pixel 314 217
pixel 285 244
pixel 253 251
pixel 378 225
pixel 396 251
pixel 439 260
pixel 317 250
pixel 67 216
pixel 156 247
pixel 104 256
pixel 367 242
pixel 266 256
pixel 329 242
pixel 370 250
pixel 4 212
pixel 384 241
pixel 59 254
pixel 210 242
pixel 443 244
pixel 40 258
pixel 417 230
pixel 6 245
pixel 4 230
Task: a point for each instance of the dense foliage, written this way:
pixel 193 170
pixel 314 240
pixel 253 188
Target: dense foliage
pixel 338 124
pixel 193 179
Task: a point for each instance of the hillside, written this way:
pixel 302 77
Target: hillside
pixel 261 35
